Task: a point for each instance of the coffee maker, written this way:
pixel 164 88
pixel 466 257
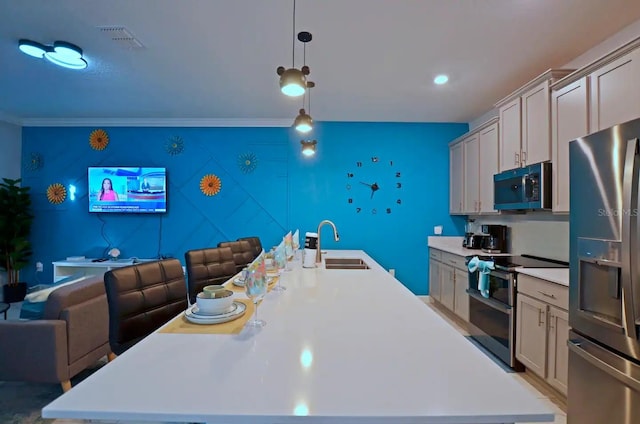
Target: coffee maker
pixel 496 240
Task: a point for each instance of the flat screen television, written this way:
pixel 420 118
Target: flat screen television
pixel 127 189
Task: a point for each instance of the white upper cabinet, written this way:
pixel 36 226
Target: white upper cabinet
pixel 510 135
pixel 525 122
pixel 570 120
pixel 615 91
pixel 456 178
pixel 488 164
pixel 472 170
pixel 536 124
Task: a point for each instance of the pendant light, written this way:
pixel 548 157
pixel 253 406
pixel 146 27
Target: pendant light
pixel 303 122
pixel 308 147
pixel 61 53
pixel 293 81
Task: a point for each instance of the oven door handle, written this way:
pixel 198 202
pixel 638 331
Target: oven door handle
pixel 499 306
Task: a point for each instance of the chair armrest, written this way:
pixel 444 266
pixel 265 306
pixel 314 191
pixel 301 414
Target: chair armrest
pixel 34 351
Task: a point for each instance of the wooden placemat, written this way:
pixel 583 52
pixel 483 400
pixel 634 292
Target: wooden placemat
pixel 180 325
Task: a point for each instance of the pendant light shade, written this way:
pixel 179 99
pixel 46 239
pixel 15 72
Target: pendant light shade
pixel 32 48
pixel 303 122
pixel 293 81
pixel 308 147
pixel 61 53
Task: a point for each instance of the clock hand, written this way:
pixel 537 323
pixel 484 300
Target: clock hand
pixel 366 184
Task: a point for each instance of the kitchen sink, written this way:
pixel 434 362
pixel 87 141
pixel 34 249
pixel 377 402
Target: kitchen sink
pixel 345 263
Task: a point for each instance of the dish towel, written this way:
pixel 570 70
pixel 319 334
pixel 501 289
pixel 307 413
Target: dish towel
pixel 483 268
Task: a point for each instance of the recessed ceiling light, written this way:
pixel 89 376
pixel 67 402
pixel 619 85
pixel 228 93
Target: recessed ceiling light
pixel 441 79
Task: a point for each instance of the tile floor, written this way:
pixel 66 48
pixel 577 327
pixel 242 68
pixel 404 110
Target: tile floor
pixel 527 380
pixel 531 382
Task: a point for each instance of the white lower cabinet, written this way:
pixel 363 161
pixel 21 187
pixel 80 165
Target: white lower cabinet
pixel 542 329
pixel 448 282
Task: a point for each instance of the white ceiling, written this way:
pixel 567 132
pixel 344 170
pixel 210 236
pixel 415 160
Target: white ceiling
pixel 372 60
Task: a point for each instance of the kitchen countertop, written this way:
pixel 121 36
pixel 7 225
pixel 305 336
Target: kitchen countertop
pixel 454 245
pixel 555 275
pixel 340 346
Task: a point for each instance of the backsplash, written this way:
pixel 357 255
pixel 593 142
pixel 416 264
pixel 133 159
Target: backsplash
pixel 540 233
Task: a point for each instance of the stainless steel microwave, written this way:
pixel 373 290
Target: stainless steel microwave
pixel 523 188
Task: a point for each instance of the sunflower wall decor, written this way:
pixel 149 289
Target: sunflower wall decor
pixel 247 162
pixel 210 185
pixel 98 139
pixel 35 162
pixel 174 145
pixel 56 193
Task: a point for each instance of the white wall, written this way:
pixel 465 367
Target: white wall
pixel 11 148
pixel 535 233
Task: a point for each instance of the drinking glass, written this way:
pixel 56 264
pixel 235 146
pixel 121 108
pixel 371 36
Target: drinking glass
pixel 255 287
pixel 280 260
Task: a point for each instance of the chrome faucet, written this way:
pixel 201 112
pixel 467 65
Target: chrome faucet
pixel 336 237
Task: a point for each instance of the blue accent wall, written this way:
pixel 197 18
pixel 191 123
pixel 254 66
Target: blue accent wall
pixel 286 191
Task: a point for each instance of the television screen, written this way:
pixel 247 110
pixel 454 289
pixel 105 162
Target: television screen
pixel 127 190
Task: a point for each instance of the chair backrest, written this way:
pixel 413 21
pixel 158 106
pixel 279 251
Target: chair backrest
pixel 212 265
pixel 255 243
pixel 242 252
pixel 141 298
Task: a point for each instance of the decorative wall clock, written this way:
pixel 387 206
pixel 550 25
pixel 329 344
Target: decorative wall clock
pixel 374 186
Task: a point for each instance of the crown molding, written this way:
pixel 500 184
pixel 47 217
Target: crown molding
pixel 598 63
pixel 551 75
pixel 10 119
pixel 152 122
pixel 476 130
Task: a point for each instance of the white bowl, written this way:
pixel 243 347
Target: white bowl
pixel 214 305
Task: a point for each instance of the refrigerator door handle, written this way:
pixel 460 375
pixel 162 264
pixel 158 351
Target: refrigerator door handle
pixel 629 230
pixel 596 356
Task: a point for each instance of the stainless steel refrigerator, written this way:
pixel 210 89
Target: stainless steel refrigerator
pixel 604 290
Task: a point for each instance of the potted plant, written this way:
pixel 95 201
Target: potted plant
pixel 15 227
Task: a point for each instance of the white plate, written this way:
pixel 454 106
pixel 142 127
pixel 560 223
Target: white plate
pixel 215 319
pixel 230 310
pixel 238 282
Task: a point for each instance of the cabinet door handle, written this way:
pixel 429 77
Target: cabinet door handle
pixel 460 207
pixel 540 322
pixel 524 157
pixel 479 205
pixel 551 321
pixel 475 206
pixel 517 159
pixel 552 296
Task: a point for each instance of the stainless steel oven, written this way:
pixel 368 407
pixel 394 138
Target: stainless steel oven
pixel 492 319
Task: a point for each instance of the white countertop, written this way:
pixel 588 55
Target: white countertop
pixel 343 346
pixel 555 275
pixel 454 245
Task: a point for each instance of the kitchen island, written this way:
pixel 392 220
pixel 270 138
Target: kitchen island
pixel 343 346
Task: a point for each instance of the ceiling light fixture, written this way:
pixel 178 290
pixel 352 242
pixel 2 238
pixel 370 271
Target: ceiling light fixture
pixel 61 53
pixel 303 122
pixel 441 79
pixel 293 80
pixel 308 147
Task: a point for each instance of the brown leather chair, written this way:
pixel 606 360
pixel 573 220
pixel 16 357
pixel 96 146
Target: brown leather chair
pixel 212 265
pixel 72 335
pixel 255 243
pixel 242 252
pixel 143 297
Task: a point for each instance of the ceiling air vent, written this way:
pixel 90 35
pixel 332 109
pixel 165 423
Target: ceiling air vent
pixel 121 36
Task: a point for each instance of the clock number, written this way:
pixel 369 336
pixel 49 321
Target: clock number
pixel 374 159
pixel 350 200
pixel 397 175
pixel 359 164
pixel 374 211
pixel 391 163
pixel 399 201
pixel 388 210
pixel 358 210
pixel 349 175
pixel 398 185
